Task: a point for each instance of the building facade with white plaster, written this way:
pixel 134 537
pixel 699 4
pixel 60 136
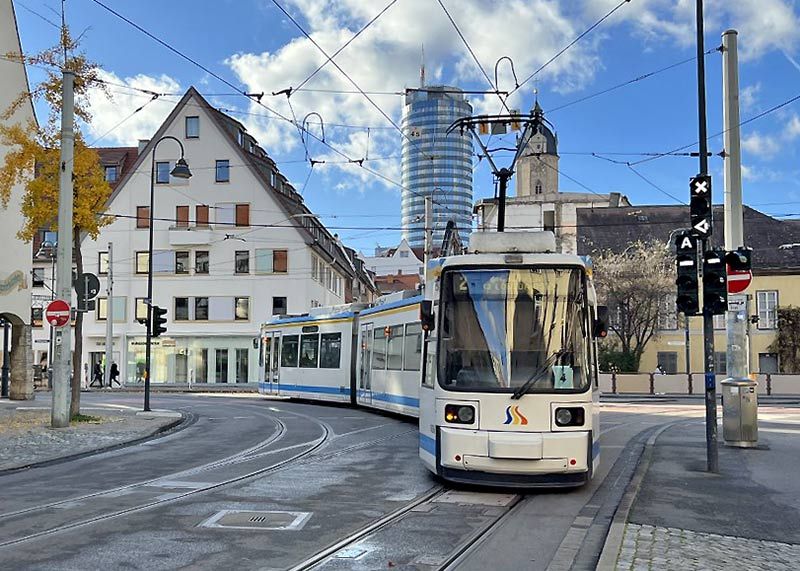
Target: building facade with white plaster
pixel 233 245
pixel 400 260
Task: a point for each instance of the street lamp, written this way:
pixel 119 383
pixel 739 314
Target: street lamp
pixel 181 170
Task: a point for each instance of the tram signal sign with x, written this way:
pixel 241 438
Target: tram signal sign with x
pixel 700 206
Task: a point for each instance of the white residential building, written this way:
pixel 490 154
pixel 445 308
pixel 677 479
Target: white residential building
pixel 233 245
pixel 402 260
pixel 15 262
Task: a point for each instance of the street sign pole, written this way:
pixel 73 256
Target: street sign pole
pixel 712 458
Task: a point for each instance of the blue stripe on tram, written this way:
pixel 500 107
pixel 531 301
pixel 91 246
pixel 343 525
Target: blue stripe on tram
pixel 427 443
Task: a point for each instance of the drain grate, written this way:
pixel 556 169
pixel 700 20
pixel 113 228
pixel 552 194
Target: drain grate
pixel 259 520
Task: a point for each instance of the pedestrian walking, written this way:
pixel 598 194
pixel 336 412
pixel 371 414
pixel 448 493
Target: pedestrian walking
pixel 114 377
pixel 97 376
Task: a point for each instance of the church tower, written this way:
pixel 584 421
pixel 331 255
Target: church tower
pixel 537 169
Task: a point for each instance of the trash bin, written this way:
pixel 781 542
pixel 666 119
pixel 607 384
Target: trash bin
pixel 739 412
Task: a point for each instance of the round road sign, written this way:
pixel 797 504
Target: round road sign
pixel 739 280
pixel 57 313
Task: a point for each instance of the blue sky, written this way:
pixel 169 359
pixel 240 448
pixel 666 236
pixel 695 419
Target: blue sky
pixel 252 44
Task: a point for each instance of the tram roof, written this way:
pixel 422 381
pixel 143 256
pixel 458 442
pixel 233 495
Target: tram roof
pixel 311 318
pixel 392 305
pixel 495 260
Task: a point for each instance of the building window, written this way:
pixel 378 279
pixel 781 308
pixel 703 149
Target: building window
pixel 201 366
pixel 182 216
pixel 394 350
pixel 101 309
pixel 192 127
pixel 537 189
pixel 242 265
pixel 289 350
pixel 242 365
pixel 221 368
pixel 404 253
pixel 38 277
pixel 279 306
pixel 549 221
pixel 201 215
pixel 330 350
pixel 240 137
pixel 412 347
pixel 142 259
pixel 668 314
pixel 721 363
pixel 37 316
pixel 273 261
pixel 143 217
pixel 223 171
pixel 767 305
pixel 162 173
pixel 140 309
pixel 111 173
pixel 242 308
pixel 309 351
pixel 181 309
pixel 201 262
pixel 102 264
pixel 668 362
pixel 201 308
pixel 182 262
pixel 243 215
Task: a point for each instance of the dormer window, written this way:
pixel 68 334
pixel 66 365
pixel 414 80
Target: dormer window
pixel 111 173
pixel 240 138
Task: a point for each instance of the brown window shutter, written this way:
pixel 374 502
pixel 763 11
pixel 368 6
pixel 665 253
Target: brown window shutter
pixel 181 215
pixel 142 216
pixel 280 261
pixel 243 215
pixel 201 215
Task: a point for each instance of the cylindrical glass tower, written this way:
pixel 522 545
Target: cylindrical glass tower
pixel 436 164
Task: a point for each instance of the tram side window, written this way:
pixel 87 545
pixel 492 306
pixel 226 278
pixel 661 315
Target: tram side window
pixel 394 352
pixel 412 352
pixel 290 351
pixel 379 350
pixel 309 351
pixel 330 350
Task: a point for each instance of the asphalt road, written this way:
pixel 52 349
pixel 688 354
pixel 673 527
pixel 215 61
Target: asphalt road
pixel 318 477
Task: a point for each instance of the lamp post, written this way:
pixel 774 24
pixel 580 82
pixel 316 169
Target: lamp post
pixel 181 170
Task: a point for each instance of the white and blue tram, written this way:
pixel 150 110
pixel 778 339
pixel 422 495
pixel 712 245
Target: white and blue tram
pixel 369 356
pixel 509 393
pixel 497 359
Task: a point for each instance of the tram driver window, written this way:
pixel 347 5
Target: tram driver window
pixel 290 351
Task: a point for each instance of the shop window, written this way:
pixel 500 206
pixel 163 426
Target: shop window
pixel 221 368
pixel 242 365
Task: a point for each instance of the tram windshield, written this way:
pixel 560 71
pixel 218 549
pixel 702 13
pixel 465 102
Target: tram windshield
pixel 509 330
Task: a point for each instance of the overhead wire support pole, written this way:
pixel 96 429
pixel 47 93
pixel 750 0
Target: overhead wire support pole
pixel 712 454
pixel 109 315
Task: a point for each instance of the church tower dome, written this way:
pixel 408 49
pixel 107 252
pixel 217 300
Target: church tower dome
pixel 537 169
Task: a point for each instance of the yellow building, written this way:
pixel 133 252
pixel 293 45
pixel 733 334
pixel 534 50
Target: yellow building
pixel 776 281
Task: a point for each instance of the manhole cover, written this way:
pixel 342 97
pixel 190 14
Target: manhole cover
pixel 267 520
pixel 475 498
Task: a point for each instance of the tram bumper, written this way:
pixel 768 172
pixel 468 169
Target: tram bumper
pixel 522 453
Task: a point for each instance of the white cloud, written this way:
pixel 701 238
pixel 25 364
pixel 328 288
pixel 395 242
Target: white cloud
pixel 764 146
pixel 792 129
pixel 748 97
pixel 108 114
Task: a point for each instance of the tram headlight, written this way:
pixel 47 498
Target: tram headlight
pixel 459 413
pixel 569 416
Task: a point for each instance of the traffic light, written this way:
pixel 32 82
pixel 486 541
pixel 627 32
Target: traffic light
pixel 687 300
pixel 740 260
pixel 159 321
pixel 700 206
pixel 715 282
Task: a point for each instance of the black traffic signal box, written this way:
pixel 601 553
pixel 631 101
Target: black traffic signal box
pixel 715 282
pixel 688 297
pixel 740 259
pixel 159 321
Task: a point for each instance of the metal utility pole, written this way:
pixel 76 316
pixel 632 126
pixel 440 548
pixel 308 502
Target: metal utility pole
pixel 6 359
pixel 109 314
pixel 62 366
pixel 735 321
pixel 503 174
pixel 428 229
pixel 712 459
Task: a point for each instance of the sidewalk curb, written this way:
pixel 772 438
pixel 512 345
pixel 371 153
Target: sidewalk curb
pixel 185 421
pixel 616 532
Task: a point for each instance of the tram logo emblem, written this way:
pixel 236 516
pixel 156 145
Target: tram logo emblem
pixel 514 416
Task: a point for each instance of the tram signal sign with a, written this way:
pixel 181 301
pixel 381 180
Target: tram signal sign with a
pixel 688 296
pixel 700 206
pixel 715 282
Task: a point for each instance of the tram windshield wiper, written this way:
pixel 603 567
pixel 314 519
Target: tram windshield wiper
pixel 544 367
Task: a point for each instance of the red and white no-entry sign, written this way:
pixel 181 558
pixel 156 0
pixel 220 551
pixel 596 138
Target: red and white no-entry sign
pixel 739 280
pixel 57 313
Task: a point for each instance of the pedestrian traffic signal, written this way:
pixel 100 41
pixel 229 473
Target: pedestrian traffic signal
pixel 715 282
pixel 740 260
pixel 688 297
pixel 159 321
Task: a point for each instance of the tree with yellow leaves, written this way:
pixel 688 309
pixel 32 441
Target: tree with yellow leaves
pixel 34 161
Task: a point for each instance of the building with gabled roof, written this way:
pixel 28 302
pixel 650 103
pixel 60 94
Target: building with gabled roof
pixel 233 245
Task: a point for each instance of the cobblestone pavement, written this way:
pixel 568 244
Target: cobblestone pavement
pixel 647 547
pixel 26 436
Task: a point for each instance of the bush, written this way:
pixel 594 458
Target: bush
pixel 609 360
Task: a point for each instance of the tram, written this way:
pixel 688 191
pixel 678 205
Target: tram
pixel 509 392
pixel 497 359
